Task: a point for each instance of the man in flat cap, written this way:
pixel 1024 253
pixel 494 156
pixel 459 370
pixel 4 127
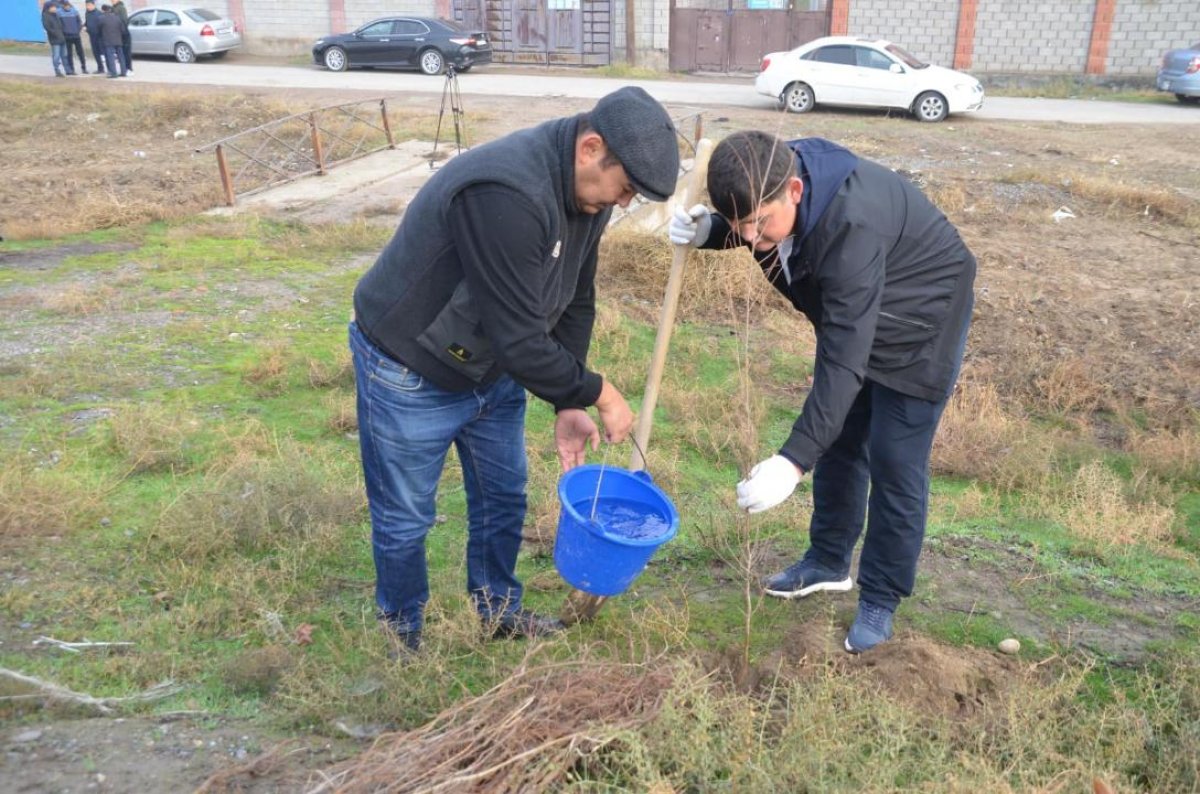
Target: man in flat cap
pixel 486 291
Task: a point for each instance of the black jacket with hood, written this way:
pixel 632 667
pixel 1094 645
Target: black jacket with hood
pixel 492 271
pixel 884 278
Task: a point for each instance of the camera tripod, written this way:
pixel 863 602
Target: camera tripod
pixel 451 95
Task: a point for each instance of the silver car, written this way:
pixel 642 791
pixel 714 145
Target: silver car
pixel 186 33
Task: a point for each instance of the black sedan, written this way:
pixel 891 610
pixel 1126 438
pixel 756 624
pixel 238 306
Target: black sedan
pixel 407 42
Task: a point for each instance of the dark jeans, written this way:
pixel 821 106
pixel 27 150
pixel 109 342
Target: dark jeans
pixel 97 53
pixel 75 43
pixel 115 57
pixel 877 470
pixel 405 428
pixel 126 52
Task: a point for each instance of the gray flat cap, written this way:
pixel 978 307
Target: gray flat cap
pixel 640 133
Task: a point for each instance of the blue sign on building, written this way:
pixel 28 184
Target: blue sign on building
pixel 21 20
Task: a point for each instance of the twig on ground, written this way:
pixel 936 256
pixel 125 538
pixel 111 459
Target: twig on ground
pixel 76 647
pixel 52 691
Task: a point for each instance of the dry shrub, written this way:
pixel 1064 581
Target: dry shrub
pixel 151 437
pixel 715 283
pixel 1115 195
pixel 1174 455
pixel 247 505
pixel 980 439
pixel 1071 387
pixel 343 413
pixel 1094 506
pixel 330 374
pixel 37 502
pixel 268 372
pixel 526 734
pixel 79 300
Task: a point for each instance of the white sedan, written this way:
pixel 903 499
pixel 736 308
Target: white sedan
pixel 854 72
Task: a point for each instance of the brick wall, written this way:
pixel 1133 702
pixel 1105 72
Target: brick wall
pixel 923 27
pixel 1144 30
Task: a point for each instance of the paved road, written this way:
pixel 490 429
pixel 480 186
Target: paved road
pixel 499 81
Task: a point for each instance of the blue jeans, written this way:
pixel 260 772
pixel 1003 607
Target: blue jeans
pixel 405 428
pixel 115 57
pixel 58 57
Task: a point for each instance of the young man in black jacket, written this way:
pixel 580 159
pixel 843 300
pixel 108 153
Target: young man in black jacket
pixel 91 21
pixel 887 283
pixel 53 26
pixel 486 291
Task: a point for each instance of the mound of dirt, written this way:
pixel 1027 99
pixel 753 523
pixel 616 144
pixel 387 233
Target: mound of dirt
pixel 931 678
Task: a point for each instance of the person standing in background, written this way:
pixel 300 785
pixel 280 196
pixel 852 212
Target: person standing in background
pixel 91 21
pixel 55 36
pixel 110 34
pixel 126 42
pixel 73 30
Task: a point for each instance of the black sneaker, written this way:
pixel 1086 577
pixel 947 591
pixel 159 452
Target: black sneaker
pixel 806 577
pixel 523 623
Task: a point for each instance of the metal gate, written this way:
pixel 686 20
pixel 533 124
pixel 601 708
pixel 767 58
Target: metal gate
pixel 543 31
pixel 735 40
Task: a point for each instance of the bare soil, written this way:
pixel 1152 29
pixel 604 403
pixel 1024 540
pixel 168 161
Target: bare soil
pixel 1108 296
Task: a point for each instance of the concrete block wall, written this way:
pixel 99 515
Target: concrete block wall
pixel 360 11
pixel 652 31
pixel 1144 29
pixel 296 19
pixel 1045 37
pixel 926 28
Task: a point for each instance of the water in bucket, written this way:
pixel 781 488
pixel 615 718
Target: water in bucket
pixel 625 519
pixel 603 553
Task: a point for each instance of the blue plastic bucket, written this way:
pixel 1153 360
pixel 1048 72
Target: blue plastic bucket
pixel 633 517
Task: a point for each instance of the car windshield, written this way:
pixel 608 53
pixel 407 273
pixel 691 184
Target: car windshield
pixel 907 57
pixel 201 15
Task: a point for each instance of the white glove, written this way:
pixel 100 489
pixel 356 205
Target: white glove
pixel 769 483
pixel 690 227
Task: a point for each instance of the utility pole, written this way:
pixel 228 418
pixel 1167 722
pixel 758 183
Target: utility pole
pixel 630 33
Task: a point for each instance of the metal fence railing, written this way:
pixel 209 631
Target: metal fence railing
pixel 305 143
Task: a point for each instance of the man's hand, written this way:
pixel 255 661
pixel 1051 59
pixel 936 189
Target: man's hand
pixel 769 484
pixel 690 227
pixel 614 414
pixel 573 429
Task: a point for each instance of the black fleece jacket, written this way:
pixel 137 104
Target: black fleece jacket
pixel 886 282
pixel 492 271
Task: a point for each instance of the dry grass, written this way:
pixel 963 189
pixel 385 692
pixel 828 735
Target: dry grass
pixel 246 504
pixel 268 372
pixel 1095 505
pixel 526 734
pixel 981 439
pixel 151 437
pixel 716 284
pixel 39 501
pixel 330 374
pixel 79 300
pixel 343 413
pixel 1114 196
pixel 1173 455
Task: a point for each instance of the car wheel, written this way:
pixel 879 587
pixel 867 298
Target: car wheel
pixel 431 62
pixel 797 98
pixel 930 106
pixel 335 59
pixel 1188 100
pixel 184 53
